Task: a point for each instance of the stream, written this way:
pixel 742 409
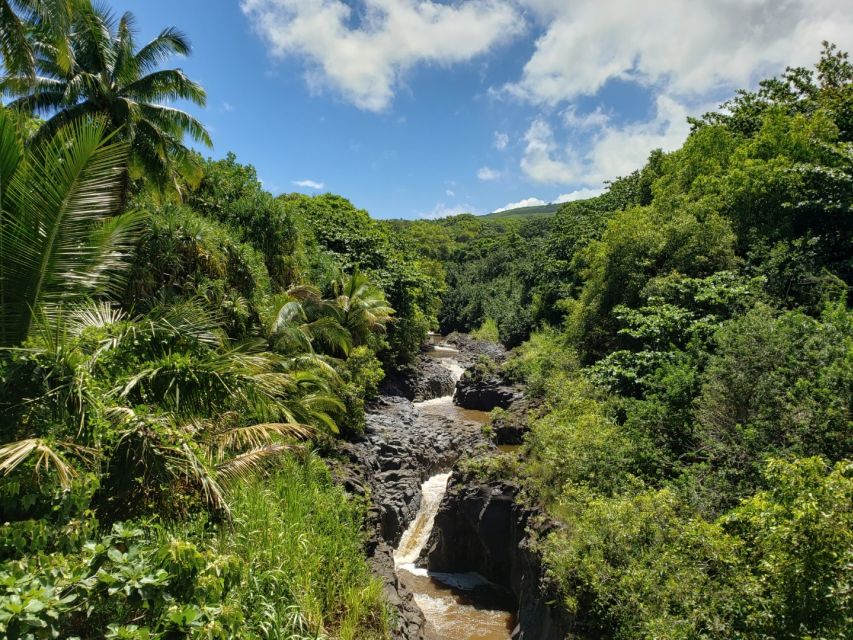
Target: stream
pixel 457 606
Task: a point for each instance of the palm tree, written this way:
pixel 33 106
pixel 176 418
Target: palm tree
pixel 61 238
pixel 361 307
pixel 304 319
pixel 262 404
pixel 108 75
pixel 45 21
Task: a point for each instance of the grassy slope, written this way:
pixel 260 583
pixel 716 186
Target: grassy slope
pixel 524 212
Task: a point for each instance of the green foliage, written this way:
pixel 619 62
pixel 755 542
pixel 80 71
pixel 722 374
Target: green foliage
pixel 232 194
pixel 182 255
pixel 360 377
pixel 487 331
pixel 129 92
pixel 691 418
pixel 777 566
pixel 62 235
pixel 356 243
pixel 128 582
pixel 777 385
pixel 798 545
pixel 302 571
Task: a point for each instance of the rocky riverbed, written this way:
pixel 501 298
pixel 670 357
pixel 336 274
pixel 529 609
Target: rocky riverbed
pixel 415 433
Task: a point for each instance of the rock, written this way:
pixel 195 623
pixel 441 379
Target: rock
pixel 471 348
pixel 399 449
pixel 510 426
pixel 410 620
pixel 481 527
pixel 424 380
pixel 485 395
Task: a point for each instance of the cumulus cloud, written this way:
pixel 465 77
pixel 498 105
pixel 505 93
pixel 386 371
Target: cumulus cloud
pixel 442 210
pixel 542 161
pixel 578 194
pixel 486 174
pixel 527 202
pixel 574 120
pixel 309 184
pixel 724 43
pixel 364 53
pixel 613 151
pixel 501 140
pixel 449 193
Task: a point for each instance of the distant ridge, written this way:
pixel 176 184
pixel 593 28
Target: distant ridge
pixel 540 211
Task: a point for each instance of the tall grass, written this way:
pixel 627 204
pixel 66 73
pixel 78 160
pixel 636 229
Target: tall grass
pixel 487 331
pixel 301 541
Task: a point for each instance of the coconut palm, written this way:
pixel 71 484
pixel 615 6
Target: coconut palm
pixel 109 75
pixel 156 411
pixel 27 25
pixel 61 236
pixel 304 319
pixel 361 307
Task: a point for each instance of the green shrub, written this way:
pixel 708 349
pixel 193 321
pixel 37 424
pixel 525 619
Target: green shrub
pixel 303 572
pixel 487 331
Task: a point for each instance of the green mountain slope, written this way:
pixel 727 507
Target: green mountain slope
pixel 525 212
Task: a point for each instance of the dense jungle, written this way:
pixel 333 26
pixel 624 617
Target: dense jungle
pixel 208 392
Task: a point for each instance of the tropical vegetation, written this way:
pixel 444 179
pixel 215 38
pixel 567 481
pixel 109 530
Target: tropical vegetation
pixel 686 342
pixel 176 344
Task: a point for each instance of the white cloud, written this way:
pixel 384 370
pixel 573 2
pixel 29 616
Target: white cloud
pixel 527 202
pixel 538 162
pixel 486 174
pixel 227 107
pixel 442 210
pixel 449 193
pixel 573 120
pixel 619 151
pixel 364 53
pixel 501 140
pixel 578 194
pixel 688 48
pixel 613 151
pixel 309 184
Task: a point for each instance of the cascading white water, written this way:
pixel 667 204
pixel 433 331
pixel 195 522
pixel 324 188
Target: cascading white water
pixel 416 535
pixel 452 603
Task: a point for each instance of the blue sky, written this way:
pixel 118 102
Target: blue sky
pixel 426 108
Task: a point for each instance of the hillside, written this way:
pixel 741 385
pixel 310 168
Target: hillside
pixel 541 211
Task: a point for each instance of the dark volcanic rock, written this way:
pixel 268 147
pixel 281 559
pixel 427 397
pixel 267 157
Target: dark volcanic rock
pixel 471 348
pixel 510 426
pixel 481 527
pixel 484 394
pixel 424 380
pixel 410 620
pixel 399 449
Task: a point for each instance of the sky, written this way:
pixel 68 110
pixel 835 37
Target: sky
pixel 427 108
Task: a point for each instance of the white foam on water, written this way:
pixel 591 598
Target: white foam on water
pixel 444 348
pixel 435 402
pixel 417 533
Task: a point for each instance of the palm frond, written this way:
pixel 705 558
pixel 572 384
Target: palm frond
pixel 166 84
pixel 18 55
pixel 169 42
pixel 257 435
pixel 243 466
pixel 94 314
pixel 176 120
pixel 47 457
pixel 60 243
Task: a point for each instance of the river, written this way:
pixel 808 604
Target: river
pixel 457 606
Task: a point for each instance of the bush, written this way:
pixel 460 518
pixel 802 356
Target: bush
pixel 303 571
pixel 487 331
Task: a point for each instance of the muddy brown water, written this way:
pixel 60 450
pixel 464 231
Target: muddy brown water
pixel 457 606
